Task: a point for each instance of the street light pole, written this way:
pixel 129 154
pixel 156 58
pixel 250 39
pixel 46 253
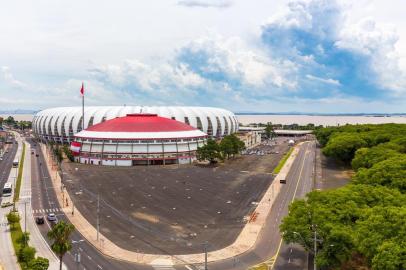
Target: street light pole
pixel 205 255
pixel 315 250
pixel 98 216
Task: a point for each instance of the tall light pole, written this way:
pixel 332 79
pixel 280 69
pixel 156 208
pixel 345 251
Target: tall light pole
pixel 315 240
pixel 98 217
pixel 205 246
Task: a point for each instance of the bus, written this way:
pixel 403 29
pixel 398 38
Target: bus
pixel 15 163
pixel 7 189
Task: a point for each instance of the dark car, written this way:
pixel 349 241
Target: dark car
pixel 39 220
pixel 36 155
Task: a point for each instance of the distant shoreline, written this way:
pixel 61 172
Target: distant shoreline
pixel 288 119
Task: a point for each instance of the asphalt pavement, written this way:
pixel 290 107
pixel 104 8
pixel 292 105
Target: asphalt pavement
pixel 268 247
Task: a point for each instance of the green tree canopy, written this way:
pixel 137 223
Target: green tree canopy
pixel 39 263
pixel 342 146
pixel 390 172
pixel 60 234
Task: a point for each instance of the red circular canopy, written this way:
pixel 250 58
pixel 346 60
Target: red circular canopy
pixel 140 123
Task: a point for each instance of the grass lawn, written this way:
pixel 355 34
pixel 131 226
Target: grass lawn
pixel 20 175
pixel 282 161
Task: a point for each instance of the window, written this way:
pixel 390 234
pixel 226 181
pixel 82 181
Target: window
pixel 63 127
pixel 218 132
pixel 232 124
pixel 43 125
pixel 187 121
pixel 199 124
pixel 70 128
pixel 56 127
pixel 79 128
pixel 103 119
pixel 210 127
pixel 90 122
pixel 226 126
pixel 173 118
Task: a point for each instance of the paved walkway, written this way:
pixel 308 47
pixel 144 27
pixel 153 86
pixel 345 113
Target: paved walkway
pixel 243 243
pixel 24 207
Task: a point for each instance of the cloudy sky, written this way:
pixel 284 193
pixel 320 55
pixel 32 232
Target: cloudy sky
pixel 259 55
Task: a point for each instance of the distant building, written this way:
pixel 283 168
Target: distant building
pixel 250 138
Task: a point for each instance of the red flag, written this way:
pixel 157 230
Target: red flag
pixel 82 90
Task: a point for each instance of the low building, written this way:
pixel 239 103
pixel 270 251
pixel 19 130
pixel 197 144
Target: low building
pixel 250 138
pixel 138 139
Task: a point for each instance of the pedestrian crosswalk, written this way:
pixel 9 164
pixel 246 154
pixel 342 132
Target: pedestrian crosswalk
pixel 43 211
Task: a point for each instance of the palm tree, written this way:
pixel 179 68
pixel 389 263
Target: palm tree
pixel 60 234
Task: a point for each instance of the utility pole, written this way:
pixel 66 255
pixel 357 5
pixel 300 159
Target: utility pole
pixel 98 216
pixel 315 250
pixel 205 255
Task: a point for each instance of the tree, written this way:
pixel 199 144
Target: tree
pixel 269 131
pixel 13 218
pixel 390 173
pixel 390 256
pixel 39 263
pixel 60 234
pixel 343 146
pixel 367 157
pixel 378 226
pixel 210 151
pixel 24 239
pixel 337 214
pixel 26 254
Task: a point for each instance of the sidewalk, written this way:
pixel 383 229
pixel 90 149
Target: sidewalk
pixel 36 239
pixel 243 243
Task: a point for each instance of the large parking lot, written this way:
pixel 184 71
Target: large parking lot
pixel 173 209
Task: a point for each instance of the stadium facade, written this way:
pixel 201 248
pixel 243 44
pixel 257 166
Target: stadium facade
pixel 134 135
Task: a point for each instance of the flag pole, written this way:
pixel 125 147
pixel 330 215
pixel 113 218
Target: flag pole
pixel 83 108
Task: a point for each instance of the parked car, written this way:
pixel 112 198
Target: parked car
pixel 39 220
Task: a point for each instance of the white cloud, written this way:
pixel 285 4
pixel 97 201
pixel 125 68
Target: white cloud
pixel 323 80
pixel 206 3
pixel 378 41
pixel 8 77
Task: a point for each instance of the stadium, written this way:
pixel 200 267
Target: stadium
pixel 134 135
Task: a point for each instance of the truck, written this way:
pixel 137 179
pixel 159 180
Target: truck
pixel 282 178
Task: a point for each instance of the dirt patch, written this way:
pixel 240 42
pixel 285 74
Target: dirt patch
pixel 146 217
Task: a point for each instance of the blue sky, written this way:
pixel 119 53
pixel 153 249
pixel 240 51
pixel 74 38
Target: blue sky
pixel 263 56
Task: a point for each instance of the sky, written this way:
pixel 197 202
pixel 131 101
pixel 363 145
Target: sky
pixel 325 56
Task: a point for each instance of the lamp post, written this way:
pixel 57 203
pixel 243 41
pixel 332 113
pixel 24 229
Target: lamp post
pixel 315 240
pixel 205 246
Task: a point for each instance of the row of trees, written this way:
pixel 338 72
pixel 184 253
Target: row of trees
pixel 60 234
pixel 25 253
pixel 10 121
pixel 361 224
pixel 213 151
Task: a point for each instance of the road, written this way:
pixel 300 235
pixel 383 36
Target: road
pixel 44 201
pixel 7 162
pixel 268 248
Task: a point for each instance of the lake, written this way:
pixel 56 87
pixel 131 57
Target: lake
pixel 324 120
